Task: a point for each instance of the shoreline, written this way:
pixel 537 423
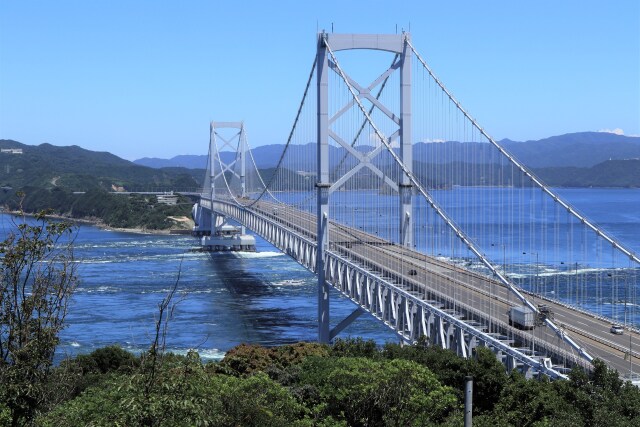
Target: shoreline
pixel 97 222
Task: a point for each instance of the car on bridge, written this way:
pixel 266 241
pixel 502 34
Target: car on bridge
pixel 616 329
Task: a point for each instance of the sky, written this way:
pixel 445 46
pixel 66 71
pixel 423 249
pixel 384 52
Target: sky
pixel 145 78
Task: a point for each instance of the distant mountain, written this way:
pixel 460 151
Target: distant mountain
pixel 584 149
pixel 190 161
pixel 611 173
pixel 265 156
pixel 76 169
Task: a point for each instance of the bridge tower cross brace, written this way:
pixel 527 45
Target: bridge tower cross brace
pixel 217 166
pixel 395 43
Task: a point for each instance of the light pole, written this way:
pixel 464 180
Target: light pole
pixel 504 273
pixel 626 320
pixel 626 304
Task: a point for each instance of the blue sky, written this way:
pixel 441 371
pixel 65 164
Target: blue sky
pixel 144 78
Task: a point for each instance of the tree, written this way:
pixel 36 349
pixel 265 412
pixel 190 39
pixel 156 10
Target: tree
pixel 37 280
pixel 189 396
pixel 365 392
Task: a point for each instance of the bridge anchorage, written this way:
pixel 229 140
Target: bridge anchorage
pixel 214 229
pixel 395 197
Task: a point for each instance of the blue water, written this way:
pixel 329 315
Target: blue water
pixel 227 299
pixel 224 299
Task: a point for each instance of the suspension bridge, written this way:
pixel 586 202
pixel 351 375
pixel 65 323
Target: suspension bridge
pixel 392 194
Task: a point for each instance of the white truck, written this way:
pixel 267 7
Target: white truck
pixel 522 317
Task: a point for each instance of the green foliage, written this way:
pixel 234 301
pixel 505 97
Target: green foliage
pixel 74 182
pixel 86 370
pixel 133 211
pixel 37 280
pixel 309 384
pixel 76 169
pixel 246 359
pixel 366 392
pixel 488 373
pixel 122 211
pixel 355 347
pixel 525 402
pixel 185 395
pixel 5 415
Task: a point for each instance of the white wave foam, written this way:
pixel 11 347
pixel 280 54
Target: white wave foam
pixel 290 282
pixel 157 291
pixel 550 272
pixel 210 354
pixel 143 258
pixel 206 354
pixel 95 261
pixel 101 289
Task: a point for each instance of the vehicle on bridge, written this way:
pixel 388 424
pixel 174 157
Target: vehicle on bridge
pixel 617 329
pixel 522 317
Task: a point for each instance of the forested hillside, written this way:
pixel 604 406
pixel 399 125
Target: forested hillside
pixel 76 169
pixel 79 183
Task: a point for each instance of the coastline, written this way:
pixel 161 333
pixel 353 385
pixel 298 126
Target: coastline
pixel 97 222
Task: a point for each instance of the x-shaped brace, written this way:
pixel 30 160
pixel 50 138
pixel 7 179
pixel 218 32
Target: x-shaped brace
pixel 365 159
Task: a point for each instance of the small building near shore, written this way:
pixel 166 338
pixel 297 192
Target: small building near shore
pixel 167 199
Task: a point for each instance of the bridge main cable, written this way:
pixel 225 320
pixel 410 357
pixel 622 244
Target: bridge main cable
pixel 523 168
pixel 284 151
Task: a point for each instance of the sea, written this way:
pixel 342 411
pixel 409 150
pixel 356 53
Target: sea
pixel 225 299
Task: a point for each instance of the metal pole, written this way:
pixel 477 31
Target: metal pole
pixel 322 186
pixel 243 184
pixel 468 401
pixel 243 153
pixel 404 186
pixel 537 278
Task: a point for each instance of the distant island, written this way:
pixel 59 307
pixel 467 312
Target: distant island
pixel 77 183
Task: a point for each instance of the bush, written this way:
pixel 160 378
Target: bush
pixel 247 359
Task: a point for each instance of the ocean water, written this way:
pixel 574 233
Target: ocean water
pixel 225 299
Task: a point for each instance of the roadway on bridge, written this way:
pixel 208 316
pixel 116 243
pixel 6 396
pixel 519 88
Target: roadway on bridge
pixel 472 292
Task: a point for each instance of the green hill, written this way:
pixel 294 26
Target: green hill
pixel 76 169
pixel 77 183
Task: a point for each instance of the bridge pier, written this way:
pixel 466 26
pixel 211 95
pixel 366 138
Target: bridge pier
pixel 395 43
pixel 212 226
pixel 322 187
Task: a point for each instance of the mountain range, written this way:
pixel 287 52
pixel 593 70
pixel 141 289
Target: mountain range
pixel 572 160
pixel 576 150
